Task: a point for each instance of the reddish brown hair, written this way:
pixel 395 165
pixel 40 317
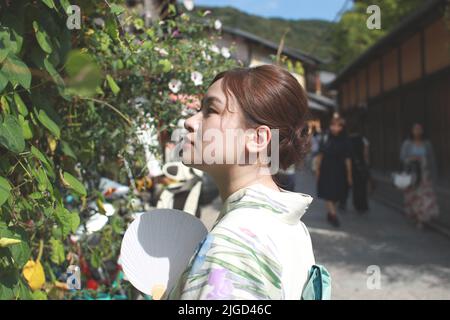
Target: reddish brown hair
pixel 269 95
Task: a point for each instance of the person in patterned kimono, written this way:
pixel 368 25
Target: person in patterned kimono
pixel 258 248
pixel 420 199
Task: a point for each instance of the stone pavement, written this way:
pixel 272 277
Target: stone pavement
pixel 413 264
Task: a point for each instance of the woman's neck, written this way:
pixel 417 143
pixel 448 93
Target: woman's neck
pixel 236 178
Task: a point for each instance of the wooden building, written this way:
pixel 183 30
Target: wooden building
pixel 402 79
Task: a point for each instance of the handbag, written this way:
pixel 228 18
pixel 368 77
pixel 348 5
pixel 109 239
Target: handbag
pixel 402 180
pixel 318 286
pixel 410 177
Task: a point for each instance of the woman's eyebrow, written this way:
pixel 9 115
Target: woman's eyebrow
pixel 208 99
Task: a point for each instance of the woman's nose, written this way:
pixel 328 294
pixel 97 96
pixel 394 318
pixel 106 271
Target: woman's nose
pixel 192 123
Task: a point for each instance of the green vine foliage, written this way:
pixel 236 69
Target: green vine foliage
pixel 68 116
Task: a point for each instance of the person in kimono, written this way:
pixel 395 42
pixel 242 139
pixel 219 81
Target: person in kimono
pixel 258 248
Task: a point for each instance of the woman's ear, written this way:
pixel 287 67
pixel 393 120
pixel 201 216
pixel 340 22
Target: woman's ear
pixel 258 139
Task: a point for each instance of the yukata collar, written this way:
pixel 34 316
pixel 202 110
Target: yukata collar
pixel 286 205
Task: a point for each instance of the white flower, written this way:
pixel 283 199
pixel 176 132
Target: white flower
pixel 162 52
pixel 197 78
pixel 207 12
pixel 225 52
pixel 217 24
pixel 189 4
pixel 175 85
pixel 214 48
pixel 206 56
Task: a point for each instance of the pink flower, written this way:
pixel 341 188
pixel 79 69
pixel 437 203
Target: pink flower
pixel 176 33
pixel 173 97
pixel 222 287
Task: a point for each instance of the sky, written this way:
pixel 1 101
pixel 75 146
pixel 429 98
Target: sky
pixel 287 9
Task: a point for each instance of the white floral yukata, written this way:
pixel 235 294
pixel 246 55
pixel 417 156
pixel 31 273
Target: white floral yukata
pixel 258 249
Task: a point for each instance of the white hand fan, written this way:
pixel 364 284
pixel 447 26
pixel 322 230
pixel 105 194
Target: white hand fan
pixel 157 247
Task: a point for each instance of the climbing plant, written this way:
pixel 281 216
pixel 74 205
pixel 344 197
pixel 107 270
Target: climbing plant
pixel 71 101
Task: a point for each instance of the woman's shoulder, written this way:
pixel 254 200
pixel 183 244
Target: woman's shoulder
pixel 406 142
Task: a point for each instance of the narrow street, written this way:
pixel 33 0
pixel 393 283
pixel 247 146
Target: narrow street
pixel 413 264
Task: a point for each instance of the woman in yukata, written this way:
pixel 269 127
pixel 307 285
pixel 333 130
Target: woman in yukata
pixel 251 121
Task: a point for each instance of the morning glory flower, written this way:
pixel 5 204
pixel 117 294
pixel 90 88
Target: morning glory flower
pixel 197 78
pixel 175 85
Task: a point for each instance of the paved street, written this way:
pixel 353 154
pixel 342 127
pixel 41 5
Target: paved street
pixel 413 264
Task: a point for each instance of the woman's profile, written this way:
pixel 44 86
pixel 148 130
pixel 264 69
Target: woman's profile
pixel 258 248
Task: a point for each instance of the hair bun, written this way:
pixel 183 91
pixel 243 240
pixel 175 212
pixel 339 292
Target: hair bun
pixel 294 147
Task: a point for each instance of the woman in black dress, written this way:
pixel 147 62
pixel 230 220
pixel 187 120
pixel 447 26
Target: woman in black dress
pixel 334 172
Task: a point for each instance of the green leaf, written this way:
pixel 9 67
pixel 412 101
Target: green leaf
pixel 36 195
pixel 57 255
pixel 16 71
pixel 53 73
pixel 64 219
pixel 67 150
pixel 165 65
pixel 48 123
pixel 21 107
pixel 16 25
pixel 39 295
pixel 11 135
pixel 9 277
pixel 5 189
pixel 38 154
pixel 3 82
pixel 42 37
pixel 4 44
pixel 112 29
pixel 42 179
pixel 95 260
pixel 75 221
pixel 20 253
pixel 84 74
pixel 112 85
pixel 72 183
pixel 26 128
pixel 49 3
pixel 45 161
pixel 23 291
pixel 116 9
pixel 117 224
pixel 65 4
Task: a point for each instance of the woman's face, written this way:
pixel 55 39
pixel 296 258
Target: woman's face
pixel 336 128
pixel 417 131
pixel 214 133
